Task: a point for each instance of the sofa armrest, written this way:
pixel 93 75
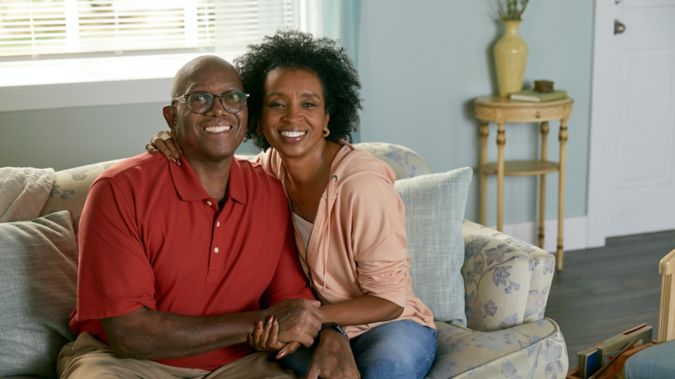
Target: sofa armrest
pixel 507 281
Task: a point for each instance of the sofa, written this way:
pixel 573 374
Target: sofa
pixel 488 291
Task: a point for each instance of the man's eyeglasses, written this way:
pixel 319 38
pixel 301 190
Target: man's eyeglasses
pixel 202 102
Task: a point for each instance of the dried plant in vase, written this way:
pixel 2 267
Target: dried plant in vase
pixel 511 10
pixel 510 51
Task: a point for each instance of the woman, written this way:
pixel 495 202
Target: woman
pixel 349 220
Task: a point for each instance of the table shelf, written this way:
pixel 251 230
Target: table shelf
pixel 522 168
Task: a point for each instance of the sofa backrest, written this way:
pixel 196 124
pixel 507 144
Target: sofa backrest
pixel 72 185
pixel 405 162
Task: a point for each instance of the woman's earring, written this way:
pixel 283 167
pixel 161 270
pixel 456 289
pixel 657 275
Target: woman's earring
pixel 326 132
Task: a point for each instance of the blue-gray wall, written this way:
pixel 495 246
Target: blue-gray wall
pixel 421 63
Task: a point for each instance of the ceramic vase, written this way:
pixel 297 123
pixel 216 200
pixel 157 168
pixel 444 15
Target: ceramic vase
pixel 510 54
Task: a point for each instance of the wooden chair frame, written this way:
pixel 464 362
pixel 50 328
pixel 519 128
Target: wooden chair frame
pixel 666 312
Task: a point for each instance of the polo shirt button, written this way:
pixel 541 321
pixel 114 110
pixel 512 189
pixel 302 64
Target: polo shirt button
pixel 209 203
pixel 217 224
pixel 216 250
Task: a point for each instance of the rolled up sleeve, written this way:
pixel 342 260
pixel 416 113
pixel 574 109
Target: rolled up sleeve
pixel 379 238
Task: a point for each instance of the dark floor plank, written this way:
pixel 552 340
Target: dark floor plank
pixel 604 291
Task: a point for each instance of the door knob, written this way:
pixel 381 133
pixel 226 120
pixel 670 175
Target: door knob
pixel 619 27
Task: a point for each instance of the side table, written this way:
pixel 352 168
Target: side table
pixel 501 112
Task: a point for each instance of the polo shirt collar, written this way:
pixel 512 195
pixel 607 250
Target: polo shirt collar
pixel 190 188
pixel 237 190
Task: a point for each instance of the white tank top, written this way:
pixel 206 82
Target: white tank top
pixel 304 227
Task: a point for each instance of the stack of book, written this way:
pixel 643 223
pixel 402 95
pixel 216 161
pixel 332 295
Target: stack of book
pixel 593 361
pixel 532 95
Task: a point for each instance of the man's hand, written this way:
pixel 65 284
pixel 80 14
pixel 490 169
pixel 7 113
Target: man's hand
pixel 299 320
pixel 333 358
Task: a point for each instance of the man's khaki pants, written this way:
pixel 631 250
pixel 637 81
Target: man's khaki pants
pixel 87 357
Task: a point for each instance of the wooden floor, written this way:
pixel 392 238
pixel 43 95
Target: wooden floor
pixel 603 291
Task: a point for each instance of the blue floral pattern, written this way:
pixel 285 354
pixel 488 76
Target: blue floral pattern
pixel 530 350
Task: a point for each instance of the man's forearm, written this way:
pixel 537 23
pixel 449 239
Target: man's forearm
pixel 148 334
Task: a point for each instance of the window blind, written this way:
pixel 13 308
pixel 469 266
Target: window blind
pixel 44 28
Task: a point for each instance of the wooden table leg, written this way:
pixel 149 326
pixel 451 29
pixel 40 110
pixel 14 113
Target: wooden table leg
pixel 484 133
pixel 501 141
pixel 561 194
pixel 542 186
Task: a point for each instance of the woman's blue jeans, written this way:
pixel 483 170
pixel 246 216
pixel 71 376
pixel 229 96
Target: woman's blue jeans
pixel 398 349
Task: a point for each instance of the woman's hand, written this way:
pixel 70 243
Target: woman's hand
pixel 165 143
pixel 266 338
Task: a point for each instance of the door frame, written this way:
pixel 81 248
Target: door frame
pixel 602 98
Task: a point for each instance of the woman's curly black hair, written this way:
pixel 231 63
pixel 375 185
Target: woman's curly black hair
pixel 294 49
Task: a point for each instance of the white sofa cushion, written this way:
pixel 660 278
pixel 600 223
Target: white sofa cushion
pixel 38 271
pixel 435 205
pixel 532 350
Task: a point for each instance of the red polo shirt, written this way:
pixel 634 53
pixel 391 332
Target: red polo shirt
pixel 150 235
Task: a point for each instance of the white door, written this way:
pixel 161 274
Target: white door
pixel 632 153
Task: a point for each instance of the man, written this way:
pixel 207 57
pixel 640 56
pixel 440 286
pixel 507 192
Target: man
pixel 178 262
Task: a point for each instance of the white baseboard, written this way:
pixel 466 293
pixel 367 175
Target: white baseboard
pixel 574 234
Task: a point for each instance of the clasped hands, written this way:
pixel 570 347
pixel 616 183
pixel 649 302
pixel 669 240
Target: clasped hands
pixel 288 325
pixel 292 323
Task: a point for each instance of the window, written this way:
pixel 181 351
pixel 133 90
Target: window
pixel 38 29
pixel 74 53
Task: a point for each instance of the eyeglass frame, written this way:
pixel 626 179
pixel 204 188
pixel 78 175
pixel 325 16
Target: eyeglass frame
pixel 184 99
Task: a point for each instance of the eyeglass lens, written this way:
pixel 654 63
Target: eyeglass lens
pixel 201 102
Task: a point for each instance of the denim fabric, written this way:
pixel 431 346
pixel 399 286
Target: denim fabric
pixel 653 362
pixel 398 349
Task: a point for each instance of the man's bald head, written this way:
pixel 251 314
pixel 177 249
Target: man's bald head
pixel 203 62
pixel 213 135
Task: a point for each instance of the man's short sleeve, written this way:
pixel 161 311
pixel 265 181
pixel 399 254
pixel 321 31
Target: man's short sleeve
pixel 114 275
